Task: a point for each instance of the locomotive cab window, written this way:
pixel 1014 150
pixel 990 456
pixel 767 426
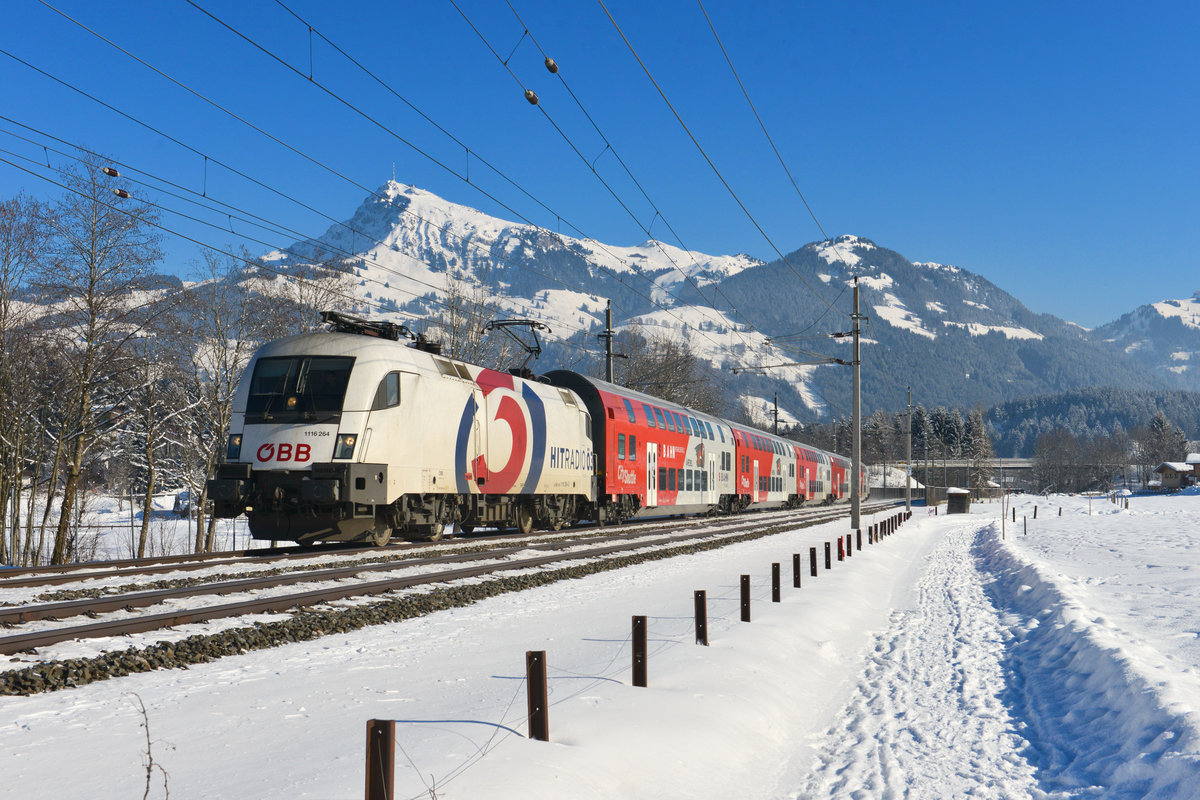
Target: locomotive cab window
pixel 388 393
pixel 298 389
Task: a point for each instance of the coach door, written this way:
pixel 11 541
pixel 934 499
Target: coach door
pixel 756 487
pixel 651 474
pixel 711 494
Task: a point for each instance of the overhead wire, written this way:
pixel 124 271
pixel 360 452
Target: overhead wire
pixel 608 148
pixel 708 159
pixel 634 267
pixel 261 184
pixel 326 167
pixel 353 300
pixel 265 224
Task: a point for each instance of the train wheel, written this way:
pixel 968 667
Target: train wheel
pixel 381 535
pixel 524 519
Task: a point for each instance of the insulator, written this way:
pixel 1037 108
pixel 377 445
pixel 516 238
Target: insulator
pixel 112 173
pixel 124 195
pixel 531 97
pixel 551 65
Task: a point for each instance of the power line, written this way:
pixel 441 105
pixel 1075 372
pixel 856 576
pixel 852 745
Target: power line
pixel 261 184
pixel 349 105
pixel 699 147
pixel 349 255
pixel 555 70
pixel 353 300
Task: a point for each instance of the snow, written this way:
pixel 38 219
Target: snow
pixel 1009 331
pixel 945 661
pixel 715 337
pixel 1187 311
pixel 762 410
pixel 935 307
pixel 842 250
pixel 883 281
pixel 895 313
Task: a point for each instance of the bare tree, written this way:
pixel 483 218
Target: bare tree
pixel 21 236
pixel 460 321
pixel 662 364
pixel 99 255
pixel 228 321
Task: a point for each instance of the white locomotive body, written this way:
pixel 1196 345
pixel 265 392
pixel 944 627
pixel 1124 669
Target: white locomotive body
pixel 340 436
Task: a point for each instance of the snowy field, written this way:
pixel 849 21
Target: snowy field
pixel 944 662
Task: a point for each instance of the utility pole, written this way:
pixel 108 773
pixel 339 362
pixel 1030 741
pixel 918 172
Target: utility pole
pixel 607 336
pixel 908 456
pixel 775 430
pixel 856 419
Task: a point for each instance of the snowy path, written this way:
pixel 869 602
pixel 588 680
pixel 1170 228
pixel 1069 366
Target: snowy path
pixel 926 716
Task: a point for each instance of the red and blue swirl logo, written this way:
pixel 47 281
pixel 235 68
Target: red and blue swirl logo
pixel 526 423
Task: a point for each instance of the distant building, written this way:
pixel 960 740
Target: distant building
pixel 1174 474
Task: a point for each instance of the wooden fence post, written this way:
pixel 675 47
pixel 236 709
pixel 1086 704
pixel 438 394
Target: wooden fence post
pixel 535 681
pixel 381 758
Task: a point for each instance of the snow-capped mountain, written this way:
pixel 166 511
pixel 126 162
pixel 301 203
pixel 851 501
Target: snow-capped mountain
pixel 1165 335
pixel 952 335
pixel 407 245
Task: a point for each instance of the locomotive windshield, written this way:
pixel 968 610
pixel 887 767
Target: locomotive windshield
pixel 298 389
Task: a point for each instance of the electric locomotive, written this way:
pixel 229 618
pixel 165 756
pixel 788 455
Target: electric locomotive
pixel 354 435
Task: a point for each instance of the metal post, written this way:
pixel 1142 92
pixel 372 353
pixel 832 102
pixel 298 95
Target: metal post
pixel 858 537
pixel 535 681
pixel 849 545
pixel 639 651
pixel 812 561
pixel 795 570
pixel 381 758
pixel 856 417
pixel 607 336
pixel 828 558
pixel 701 617
pixel 908 457
pixel 775 591
pixel 745 598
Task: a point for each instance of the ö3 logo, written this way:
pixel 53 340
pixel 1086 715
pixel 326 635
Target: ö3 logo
pixel 503 479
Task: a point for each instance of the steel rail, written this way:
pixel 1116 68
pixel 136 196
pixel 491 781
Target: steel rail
pixel 14 615
pixel 26 641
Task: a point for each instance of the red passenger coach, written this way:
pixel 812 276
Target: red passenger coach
pixel 655 457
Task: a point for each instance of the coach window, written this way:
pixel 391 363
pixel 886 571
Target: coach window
pixel 621 446
pixel 649 415
pixel 687 426
pixel 662 478
pixel 388 393
pixel 671 479
pixel 670 422
pixel 678 421
pixel 632 447
pixel 629 411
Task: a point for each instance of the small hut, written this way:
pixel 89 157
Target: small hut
pixel 958 501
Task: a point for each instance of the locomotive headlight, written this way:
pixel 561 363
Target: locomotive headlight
pixel 345 445
pixel 233 449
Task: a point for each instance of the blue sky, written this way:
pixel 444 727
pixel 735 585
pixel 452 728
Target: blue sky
pixel 1050 147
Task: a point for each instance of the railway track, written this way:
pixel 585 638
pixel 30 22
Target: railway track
pixel 349 580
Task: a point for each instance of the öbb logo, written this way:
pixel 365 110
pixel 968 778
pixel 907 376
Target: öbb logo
pixel 284 451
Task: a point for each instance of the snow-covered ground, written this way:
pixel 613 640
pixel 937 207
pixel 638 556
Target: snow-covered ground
pixel 943 662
